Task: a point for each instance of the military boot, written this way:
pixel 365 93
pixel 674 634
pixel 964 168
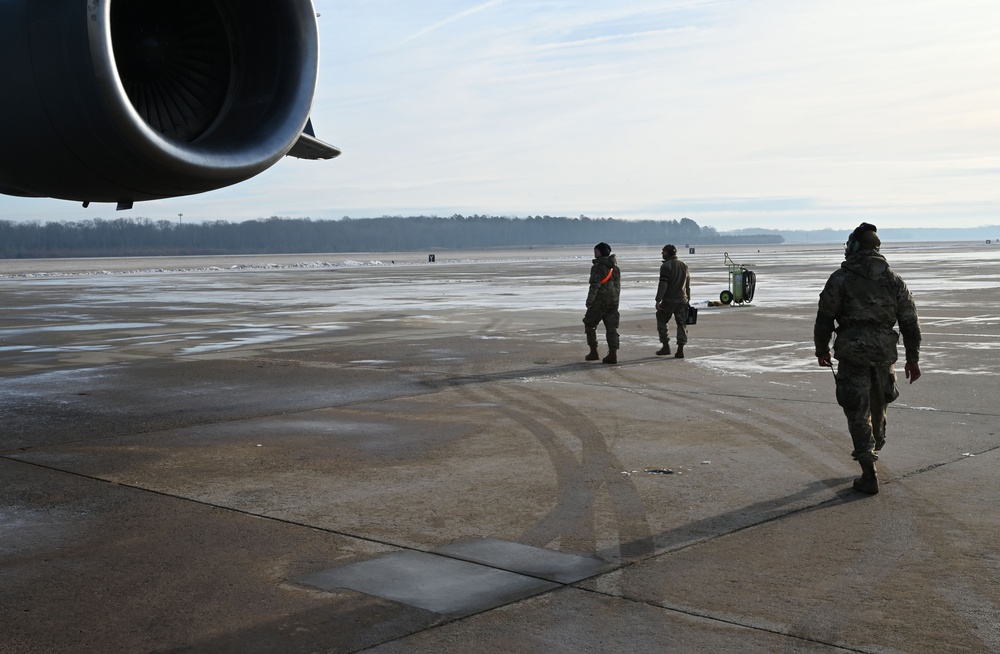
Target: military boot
pixel 612 357
pixel 680 352
pixel 593 355
pixel 868 481
pixel 663 351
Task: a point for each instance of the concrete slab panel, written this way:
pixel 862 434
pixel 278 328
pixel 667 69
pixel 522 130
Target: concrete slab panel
pixel 430 582
pixel 559 567
pixel 89 566
pixel 571 621
pixel 151 394
pixel 915 568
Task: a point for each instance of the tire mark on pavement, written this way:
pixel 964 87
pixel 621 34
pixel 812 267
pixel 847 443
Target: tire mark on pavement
pixel 582 480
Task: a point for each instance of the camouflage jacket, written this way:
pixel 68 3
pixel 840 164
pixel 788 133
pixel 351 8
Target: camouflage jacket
pixel 865 299
pixel 605 283
pixel 675 282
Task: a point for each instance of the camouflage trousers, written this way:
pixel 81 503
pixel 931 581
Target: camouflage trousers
pixel 677 311
pixel 596 315
pixel 865 394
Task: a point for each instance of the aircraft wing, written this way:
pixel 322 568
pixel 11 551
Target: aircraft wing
pixel 310 147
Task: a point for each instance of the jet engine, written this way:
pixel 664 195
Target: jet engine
pixel 130 100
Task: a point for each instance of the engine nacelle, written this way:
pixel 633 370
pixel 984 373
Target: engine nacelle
pixel 130 100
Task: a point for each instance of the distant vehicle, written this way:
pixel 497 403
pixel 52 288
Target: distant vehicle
pixel 131 100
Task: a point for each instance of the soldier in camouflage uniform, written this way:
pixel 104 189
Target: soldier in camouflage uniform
pixel 862 302
pixel 602 302
pixel 672 299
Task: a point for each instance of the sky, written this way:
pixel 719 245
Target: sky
pixel 781 114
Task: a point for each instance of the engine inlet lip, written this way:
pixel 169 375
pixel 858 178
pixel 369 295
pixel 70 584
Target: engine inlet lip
pixel 271 140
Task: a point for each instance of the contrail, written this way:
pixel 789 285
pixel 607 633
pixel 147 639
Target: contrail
pixel 451 19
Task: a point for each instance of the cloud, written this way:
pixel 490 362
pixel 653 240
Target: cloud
pixel 786 113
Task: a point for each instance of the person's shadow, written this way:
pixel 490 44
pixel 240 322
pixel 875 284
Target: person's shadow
pixel 738 519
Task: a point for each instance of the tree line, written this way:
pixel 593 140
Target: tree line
pixel 145 237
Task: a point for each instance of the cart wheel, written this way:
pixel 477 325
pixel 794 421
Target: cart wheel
pixel 726 297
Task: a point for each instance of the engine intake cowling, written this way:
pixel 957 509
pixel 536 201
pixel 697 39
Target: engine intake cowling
pixel 130 100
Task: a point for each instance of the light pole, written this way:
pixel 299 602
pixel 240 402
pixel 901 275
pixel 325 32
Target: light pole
pixel 180 219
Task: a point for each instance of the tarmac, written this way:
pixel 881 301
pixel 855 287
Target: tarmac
pixel 332 454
